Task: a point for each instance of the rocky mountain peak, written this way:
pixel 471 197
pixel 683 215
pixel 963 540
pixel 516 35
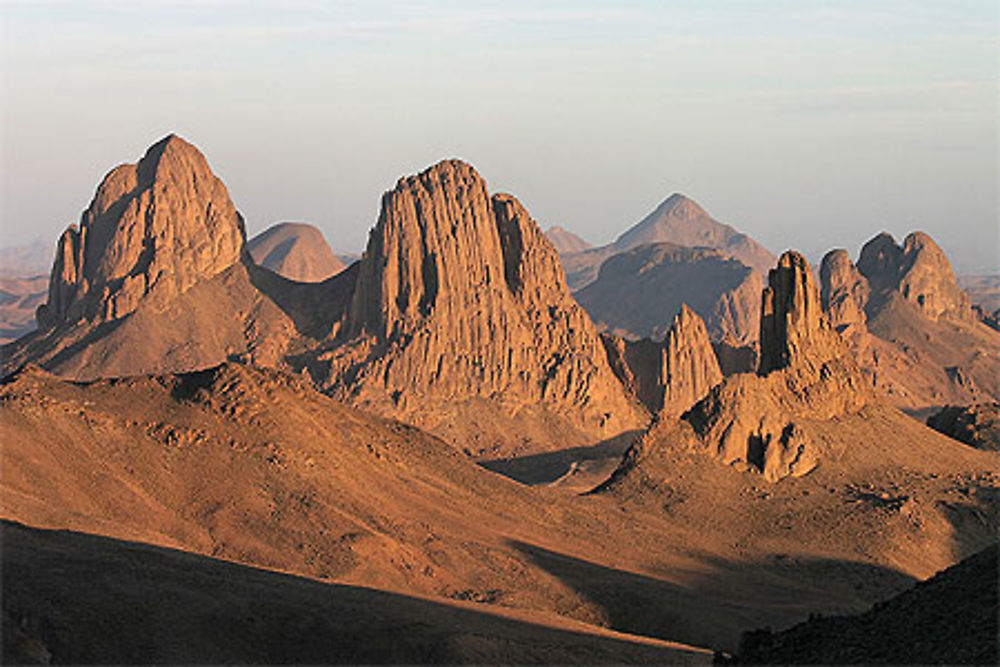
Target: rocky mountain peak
pixel 152 231
pixel 794 332
pixel 672 375
pixel 691 366
pixel 917 271
pixel 460 295
pixel 843 290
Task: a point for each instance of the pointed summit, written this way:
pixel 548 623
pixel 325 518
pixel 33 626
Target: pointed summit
pixel 152 231
pixel 682 221
pixel 669 376
pixel 460 297
pixel 692 368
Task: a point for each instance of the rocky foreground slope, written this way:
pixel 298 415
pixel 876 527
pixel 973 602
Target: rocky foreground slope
pixel 950 619
pixel 256 467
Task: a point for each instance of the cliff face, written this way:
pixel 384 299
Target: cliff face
pixel 152 231
pixel 460 296
pixel 769 421
pixel 156 278
pixel 672 375
pixel 844 291
pixel 917 271
pixel 909 325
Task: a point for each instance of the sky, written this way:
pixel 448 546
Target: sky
pixel 806 124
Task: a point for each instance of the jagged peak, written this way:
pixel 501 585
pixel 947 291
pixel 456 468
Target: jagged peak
pixel 793 330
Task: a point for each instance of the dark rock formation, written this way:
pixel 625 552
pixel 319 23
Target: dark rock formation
pixel 976 425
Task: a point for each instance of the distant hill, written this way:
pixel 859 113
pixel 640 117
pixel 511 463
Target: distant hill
pixel 296 251
pixel 28 260
pixel 678 220
pixel 19 297
pixel 638 293
pixel 565 241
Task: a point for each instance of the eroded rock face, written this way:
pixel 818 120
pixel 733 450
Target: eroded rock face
pixel 909 325
pixel 672 375
pixel 690 363
pixel 152 231
pixel 844 291
pixel 762 421
pixel 918 271
pixel 794 332
pixel 460 296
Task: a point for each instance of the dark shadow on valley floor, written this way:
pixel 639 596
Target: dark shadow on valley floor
pixel 547 467
pixel 714 609
pixel 80 598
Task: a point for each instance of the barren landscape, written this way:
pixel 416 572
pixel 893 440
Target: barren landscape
pixel 499 333
pixel 434 455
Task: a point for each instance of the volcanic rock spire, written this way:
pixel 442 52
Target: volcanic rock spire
pixel 460 296
pixel 151 232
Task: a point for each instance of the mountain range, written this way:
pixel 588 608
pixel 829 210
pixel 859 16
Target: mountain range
pixel 448 452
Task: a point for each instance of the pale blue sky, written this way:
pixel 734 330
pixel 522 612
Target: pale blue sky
pixel 806 124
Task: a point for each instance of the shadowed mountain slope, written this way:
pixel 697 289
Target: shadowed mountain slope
pixel 82 599
pixel 638 293
pixel 949 619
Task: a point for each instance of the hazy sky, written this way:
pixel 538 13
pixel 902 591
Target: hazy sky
pixel 806 124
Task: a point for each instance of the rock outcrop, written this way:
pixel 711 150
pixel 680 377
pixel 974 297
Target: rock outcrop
pixel 459 297
pixel 794 332
pixel 769 421
pixel 157 279
pixel 908 324
pixel 975 425
pixel 672 375
pixel 564 241
pixel 296 251
pixel 638 292
pixel 152 231
pixel 917 271
pixel 844 291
